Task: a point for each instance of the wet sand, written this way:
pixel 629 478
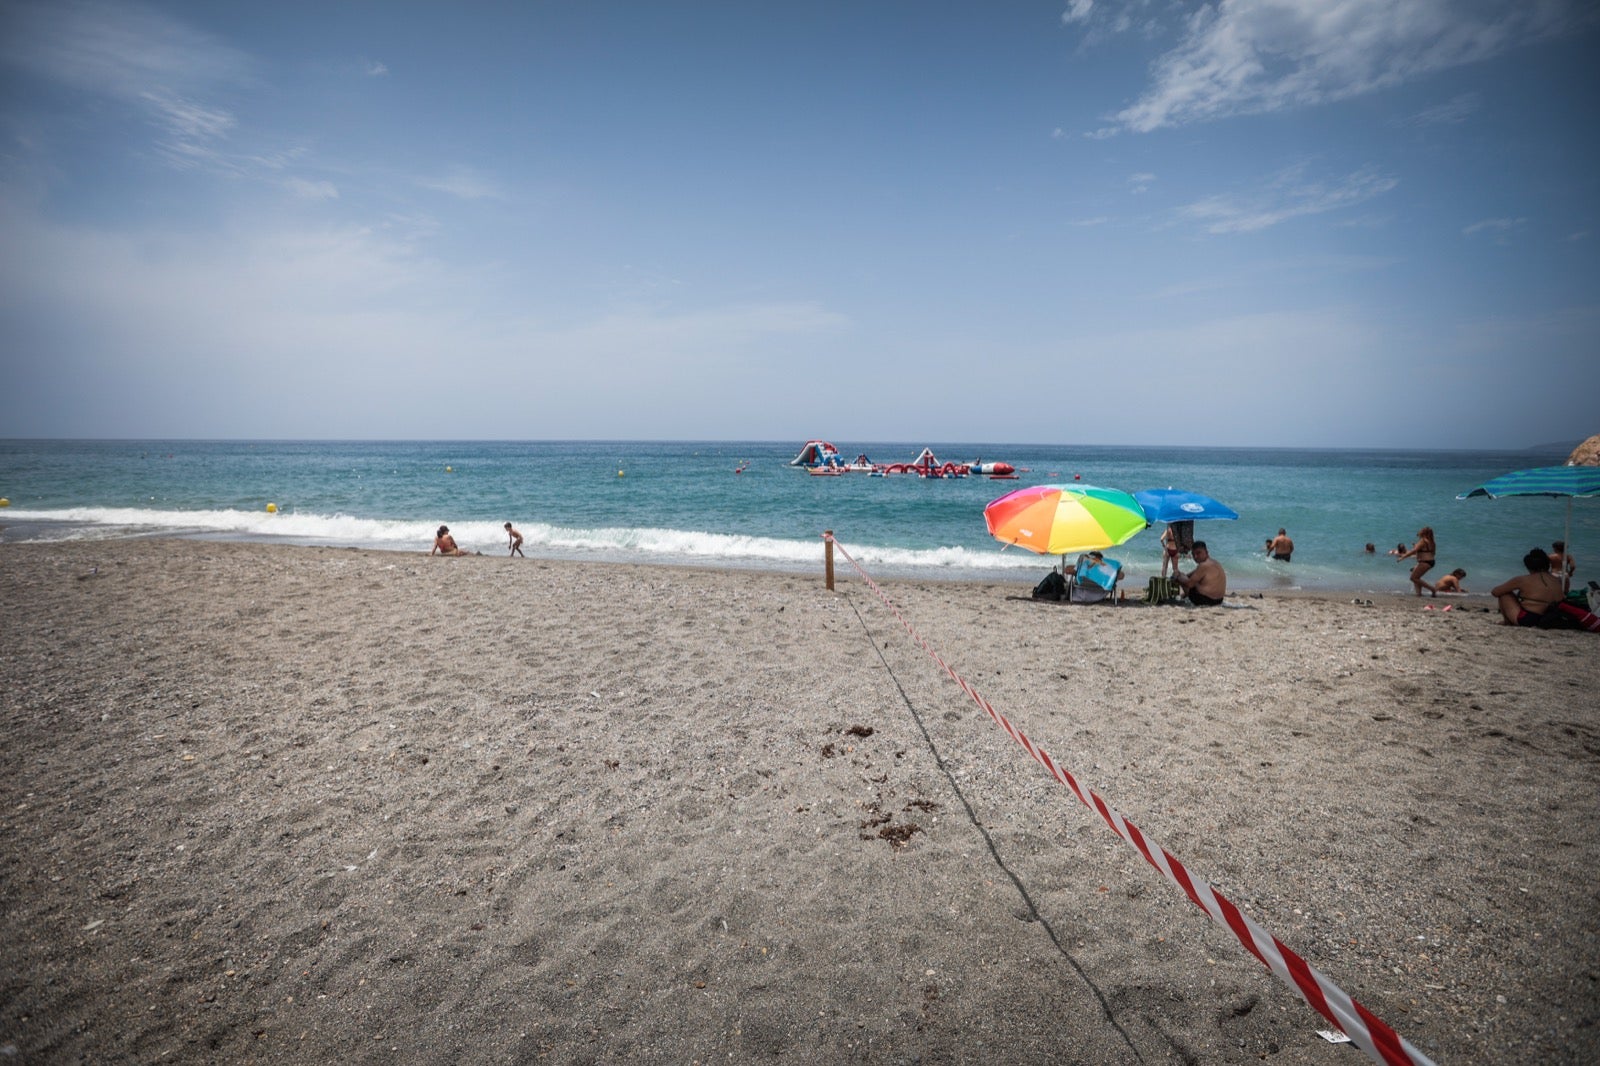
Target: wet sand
pixel 314 804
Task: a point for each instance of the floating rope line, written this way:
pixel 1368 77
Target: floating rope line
pixel 1365 1029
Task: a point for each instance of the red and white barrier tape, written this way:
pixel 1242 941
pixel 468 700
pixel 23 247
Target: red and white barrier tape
pixel 1365 1029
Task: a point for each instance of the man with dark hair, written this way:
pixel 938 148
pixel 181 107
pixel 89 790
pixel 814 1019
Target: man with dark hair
pixel 1206 584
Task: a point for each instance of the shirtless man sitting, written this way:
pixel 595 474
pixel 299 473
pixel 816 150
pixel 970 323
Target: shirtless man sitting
pixel 1525 599
pixel 1206 584
pixel 444 543
pixel 1281 547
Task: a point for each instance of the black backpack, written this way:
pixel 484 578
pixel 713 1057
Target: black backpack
pixel 1053 587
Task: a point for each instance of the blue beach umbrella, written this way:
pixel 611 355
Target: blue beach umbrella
pixel 1560 481
pixel 1178 505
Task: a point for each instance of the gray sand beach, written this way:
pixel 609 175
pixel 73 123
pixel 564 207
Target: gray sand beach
pixel 288 804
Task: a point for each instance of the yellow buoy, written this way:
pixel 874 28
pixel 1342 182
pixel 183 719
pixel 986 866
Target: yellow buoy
pixel 4 502
pixel 619 473
pixel 449 470
pixel 272 508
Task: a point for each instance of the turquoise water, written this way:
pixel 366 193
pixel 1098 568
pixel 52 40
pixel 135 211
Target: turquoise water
pixel 682 502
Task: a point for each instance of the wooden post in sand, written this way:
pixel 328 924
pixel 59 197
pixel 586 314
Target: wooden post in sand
pixel 827 539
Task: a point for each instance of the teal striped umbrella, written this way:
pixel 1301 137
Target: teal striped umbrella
pixel 1541 481
pixel 1568 481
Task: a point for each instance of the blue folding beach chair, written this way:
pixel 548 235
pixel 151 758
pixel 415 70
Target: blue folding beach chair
pixel 1092 582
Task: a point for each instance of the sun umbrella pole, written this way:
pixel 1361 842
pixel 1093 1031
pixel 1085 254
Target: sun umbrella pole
pixel 1566 541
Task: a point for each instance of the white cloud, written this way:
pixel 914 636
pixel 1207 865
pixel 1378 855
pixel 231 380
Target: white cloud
pixel 192 131
pixel 1452 112
pixel 1140 182
pixel 1251 56
pixel 1101 19
pixel 122 50
pixel 1495 229
pixel 1289 195
pixel 187 119
pixel 376 69
pixel 156 65
pixel 312 190
pixel 465 183
pixel 163 71
pixel 1077 11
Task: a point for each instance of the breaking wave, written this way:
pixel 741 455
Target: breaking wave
pixel 613 544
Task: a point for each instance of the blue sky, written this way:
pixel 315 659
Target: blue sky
pixel 1362 223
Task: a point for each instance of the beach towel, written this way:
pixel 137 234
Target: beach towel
pixel 1104 575
pixel 1570 616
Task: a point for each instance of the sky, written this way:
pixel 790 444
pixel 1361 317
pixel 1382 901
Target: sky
pixel 1347 223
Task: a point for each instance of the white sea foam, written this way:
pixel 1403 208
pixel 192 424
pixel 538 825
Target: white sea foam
pixel 601 543
pixel 101 522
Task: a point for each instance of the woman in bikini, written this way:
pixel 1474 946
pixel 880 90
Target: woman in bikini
pixel 1561 564
pixel 1177 540
pixel 444 543
pixel 1525 599
pixel 1423 551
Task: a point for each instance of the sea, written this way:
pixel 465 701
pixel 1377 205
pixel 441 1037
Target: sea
pixel 740 505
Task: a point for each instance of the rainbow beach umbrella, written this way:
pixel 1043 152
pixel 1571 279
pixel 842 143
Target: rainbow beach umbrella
pixel 1064 519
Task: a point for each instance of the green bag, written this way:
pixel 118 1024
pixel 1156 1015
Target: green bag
pixel 1161 590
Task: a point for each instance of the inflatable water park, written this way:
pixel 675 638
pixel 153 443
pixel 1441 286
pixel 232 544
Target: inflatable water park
pixel 821 459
